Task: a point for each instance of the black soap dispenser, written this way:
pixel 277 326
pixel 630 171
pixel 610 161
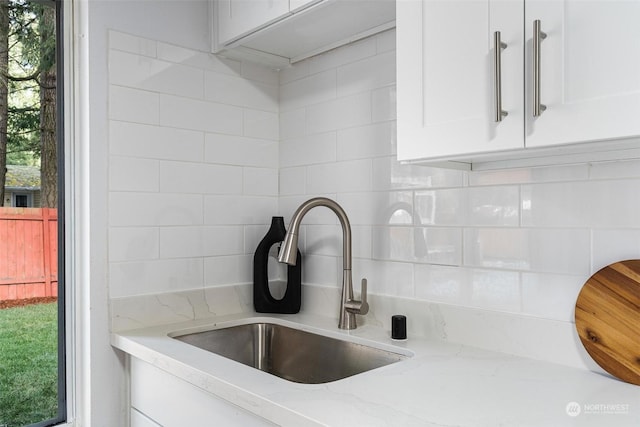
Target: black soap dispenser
pixel 263 301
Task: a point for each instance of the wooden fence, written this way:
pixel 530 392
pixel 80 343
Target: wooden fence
pixel 28 253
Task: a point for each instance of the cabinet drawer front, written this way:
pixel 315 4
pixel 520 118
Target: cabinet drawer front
pixel 172 402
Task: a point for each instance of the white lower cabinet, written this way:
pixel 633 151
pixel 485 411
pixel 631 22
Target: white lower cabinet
pixel 159 399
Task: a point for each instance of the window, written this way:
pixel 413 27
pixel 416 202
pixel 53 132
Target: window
pixel 21 201
pixel 32 306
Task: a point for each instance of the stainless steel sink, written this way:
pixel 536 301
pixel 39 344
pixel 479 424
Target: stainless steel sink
pixel 292 354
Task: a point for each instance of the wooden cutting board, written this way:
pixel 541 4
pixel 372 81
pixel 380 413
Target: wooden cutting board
pixel 608 319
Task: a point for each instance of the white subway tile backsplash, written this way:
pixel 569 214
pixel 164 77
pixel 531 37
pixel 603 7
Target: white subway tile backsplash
pixel 133 244
pixel 599 204
pixel 514 240
pixel 154 209
pixel 530 175
pixel 384 277
pixel 324 240
pixel 291 73
pixel 361 241
pixel 365 142
pixel 198 178
pixel 342 177
pixel 133 105
pixel 153 277
pixel 389 174
pixel 375 208
pixel 348 111
pixel 442 284
pixel 293 123
pixel 551 296
pixel 496 206
pixel 226 270
pixel 442 246
pixel 236 90
pixel 239 210
pixel 259 73
pixel 261 124
pixel 293 181
pixel 614 170
pixel 154 75
pixel 383 104
pixel 527 249
pixel 496 290
pixel 322 270
pixel 240 151
pixel 260 182
pixel 129 43
pixel 192 242
pixel 367 74
pixel 307 91
pixel 200 115
pixel 312 149
pixel 154 142
pixel 612 245
pixel 441 207
pixel 133 174
pixel 196 59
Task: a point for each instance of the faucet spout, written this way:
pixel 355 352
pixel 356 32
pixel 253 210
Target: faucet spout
pixel 349 307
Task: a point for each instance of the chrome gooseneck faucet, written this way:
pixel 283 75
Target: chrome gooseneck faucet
pixel 349 307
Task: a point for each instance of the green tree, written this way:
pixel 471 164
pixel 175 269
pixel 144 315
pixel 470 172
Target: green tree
pixel 4 66
pixel 28 117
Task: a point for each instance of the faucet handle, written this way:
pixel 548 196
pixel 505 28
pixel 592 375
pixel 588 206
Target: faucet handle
pixel 364 306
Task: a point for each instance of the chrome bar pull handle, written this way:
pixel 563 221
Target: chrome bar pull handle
pixel 538 36
pixel 498 45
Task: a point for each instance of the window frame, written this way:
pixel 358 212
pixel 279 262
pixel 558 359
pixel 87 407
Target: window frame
pixel 61 143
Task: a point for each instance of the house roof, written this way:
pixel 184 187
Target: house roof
pixel 22 177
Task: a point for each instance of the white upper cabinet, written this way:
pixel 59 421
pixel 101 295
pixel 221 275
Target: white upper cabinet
pixel 237 18
pixel 589 70
pixel 277 32
pixel 452 79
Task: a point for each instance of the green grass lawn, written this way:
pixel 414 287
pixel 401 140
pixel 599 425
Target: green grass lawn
pixel 28 364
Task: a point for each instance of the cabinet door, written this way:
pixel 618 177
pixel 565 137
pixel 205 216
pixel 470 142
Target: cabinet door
pixel 445 85
pixel 590 70
pixel 237 18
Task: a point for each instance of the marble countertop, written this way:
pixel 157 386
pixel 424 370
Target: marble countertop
pixel 442 384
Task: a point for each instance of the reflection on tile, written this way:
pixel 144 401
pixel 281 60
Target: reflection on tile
pixel 390 174
pixel 384 277
pixel 551 296
pixel 496 290
pixel 528 249
pixel 598 204
pixel 377 208
pixel 496 206
pixel 413 244
pixel 440 207
pixel 441 284
pixel 613 245
pixel 485 289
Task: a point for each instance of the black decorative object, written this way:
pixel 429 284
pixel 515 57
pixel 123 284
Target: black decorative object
pixel 263 301
pixel 398 327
